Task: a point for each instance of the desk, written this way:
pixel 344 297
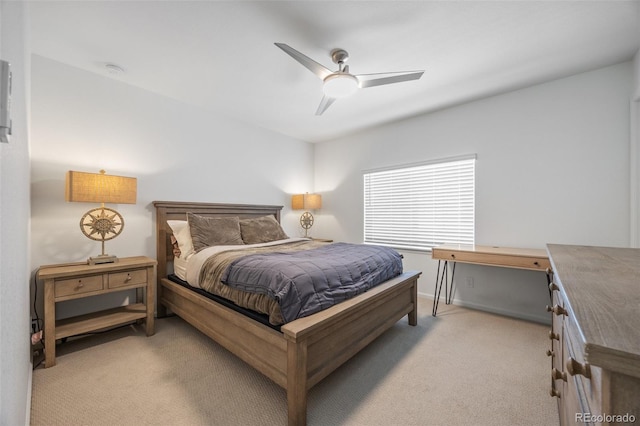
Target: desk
pixel 505 257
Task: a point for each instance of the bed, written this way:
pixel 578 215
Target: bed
pixel 300 353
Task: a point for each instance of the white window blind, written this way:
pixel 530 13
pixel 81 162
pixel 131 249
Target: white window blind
pixel 421 206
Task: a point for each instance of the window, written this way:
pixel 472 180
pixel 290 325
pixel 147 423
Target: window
pixel 422 205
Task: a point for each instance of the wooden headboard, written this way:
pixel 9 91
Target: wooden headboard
pixel 177 210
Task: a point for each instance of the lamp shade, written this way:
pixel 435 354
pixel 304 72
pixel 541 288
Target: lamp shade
pixel 100 188
pixel 306 201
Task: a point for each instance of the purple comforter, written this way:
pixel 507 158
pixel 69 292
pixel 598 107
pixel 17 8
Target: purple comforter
pixel 305 282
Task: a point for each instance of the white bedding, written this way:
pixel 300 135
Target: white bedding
pixel 192 264
pixel 180 266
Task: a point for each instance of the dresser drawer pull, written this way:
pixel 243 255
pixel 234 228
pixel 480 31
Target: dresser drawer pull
pixel 80 284
pixel 574 367
pixel 554 287
pixel 128 278
pixel 554 392
pixel 553 336
pixel 550 352
pixel 558 375
pixel 558 310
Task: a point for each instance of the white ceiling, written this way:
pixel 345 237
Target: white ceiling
pixel 220 55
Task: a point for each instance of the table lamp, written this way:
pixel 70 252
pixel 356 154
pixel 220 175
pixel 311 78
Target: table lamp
pixel 101 223
pixel 306 202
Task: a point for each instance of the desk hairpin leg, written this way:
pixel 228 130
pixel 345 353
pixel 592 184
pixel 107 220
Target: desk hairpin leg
pixel 448 290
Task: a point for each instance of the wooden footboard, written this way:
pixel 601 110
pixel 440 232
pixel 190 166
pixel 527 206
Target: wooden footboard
pixel 307 349
pixel 320 343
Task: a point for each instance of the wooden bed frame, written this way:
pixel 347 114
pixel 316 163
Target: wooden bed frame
pixel 306 350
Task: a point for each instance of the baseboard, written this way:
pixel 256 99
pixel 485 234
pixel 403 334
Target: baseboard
pixel 29 389
pixel 541 319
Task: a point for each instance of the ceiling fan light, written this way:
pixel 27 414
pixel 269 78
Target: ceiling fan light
pixel 340 85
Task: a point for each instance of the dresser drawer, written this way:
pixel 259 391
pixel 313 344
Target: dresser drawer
pixel 79 285
pixel 126 279
pixel 588 382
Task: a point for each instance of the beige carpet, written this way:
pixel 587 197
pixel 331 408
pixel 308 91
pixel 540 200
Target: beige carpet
pixel 462 368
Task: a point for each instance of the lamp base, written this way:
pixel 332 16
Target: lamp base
pixel 306 222
pixel 103 258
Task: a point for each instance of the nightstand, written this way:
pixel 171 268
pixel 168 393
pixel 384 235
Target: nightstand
pixel 75 281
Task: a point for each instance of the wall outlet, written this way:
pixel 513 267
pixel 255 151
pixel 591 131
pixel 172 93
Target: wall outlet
pixel 470 282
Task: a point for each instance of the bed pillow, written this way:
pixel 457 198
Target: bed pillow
pixel 214 231
pixel 261 230
pixel 182 235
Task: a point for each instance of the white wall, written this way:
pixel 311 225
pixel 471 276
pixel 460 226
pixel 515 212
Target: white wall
pixel 15 357
pixel 87 122
pixel 634 155
pixel 552 167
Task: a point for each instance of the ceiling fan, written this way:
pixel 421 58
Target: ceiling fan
pixel 339 84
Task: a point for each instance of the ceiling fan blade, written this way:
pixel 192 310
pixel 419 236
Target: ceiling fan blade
pixel 324 104
pixel 371 80
pixel 320 70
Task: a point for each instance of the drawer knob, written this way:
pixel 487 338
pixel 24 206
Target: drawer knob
pixel 80 284
pixel 557 309
pixel 574 367
pixel 554 336
pixel 553 287
pixel 558 375
pixel 550 352
pixel 128 278
pixel 554 392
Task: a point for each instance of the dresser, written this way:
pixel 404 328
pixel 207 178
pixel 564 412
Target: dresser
pixel 80 280
pixel 595 333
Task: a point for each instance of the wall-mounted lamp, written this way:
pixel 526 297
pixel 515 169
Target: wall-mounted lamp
pixel 306 202
pixel 103 223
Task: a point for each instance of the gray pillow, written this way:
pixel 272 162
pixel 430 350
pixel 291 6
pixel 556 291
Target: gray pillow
pixel 214 231
pixel 261 230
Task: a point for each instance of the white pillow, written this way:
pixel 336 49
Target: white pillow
pixel 182 233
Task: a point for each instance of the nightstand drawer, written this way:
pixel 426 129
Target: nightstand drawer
pixel 126 279
pixel 78 285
